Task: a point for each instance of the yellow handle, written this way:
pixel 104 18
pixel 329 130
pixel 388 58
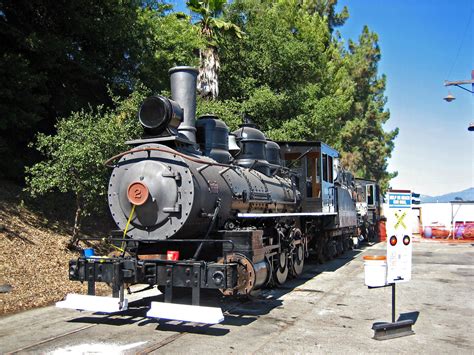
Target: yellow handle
pixel 125 230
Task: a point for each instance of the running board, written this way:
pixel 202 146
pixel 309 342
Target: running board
pixel 93 303
pixel 185 313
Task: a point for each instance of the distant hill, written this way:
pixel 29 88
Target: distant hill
pixel 465 195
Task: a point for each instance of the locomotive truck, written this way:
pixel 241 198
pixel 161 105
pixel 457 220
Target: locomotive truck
pixel 198 207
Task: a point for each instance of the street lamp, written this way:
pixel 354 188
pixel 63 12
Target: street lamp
pixel 449 97
pixel 458 83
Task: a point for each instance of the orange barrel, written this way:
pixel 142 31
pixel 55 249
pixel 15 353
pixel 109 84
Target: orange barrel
pixel 375 269
pixel 440 232
pixel 383 231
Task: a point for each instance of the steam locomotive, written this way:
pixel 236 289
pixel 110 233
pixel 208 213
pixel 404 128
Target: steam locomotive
pixel 199 207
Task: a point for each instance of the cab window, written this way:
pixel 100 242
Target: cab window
pixel 328 168
pixel 313 175
pixel 370 191
pixel 292 162
pixel 325 167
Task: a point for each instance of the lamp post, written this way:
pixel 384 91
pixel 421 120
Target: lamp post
pixel 458 83
pixel 450 97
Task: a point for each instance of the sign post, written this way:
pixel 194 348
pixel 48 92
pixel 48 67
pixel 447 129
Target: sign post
pixel 399 256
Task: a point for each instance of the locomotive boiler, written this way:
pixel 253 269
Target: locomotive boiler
pixel 199 207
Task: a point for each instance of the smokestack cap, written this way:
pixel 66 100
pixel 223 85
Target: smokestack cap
pixel 183 68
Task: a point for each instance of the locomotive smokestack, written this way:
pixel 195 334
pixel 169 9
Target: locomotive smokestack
pixel 183 91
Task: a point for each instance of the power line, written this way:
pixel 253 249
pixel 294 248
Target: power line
pixel 461 45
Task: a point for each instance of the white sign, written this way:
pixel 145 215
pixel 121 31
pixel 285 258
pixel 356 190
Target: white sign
pixel 399 237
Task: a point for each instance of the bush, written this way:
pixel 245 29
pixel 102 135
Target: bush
pixel 75 155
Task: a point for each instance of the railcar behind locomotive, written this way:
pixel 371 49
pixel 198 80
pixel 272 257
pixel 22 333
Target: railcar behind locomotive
pixel 369 203
pixel 199 207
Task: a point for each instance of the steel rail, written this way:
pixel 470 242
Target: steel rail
pixel 51 339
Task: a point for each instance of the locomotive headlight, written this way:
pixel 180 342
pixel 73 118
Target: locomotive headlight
pixel 218 278
pixel 158 113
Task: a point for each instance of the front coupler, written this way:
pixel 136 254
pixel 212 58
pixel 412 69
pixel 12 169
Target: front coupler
pixel 117 271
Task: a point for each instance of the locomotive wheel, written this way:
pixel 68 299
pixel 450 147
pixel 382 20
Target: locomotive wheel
pixel 281 270
pixel 347 243
pixel 297 253
pixel 340 247
pixel 245 275
pixel 297 260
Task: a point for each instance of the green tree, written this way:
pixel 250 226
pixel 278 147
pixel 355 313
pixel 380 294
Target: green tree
pixel 365 145
pixel 327 9
pixel 299 82
pixel 230 111
pixel 74 157
pixel 61 56
pixel 286 73
pixel 212 29
pixel 166 39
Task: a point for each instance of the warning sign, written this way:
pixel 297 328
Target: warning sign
pixel 399 246
pixel 400 218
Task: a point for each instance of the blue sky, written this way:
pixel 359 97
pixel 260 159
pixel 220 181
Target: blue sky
pixel 420 41
pixel 423 43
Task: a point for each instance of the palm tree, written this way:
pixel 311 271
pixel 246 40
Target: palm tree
pixel 212 29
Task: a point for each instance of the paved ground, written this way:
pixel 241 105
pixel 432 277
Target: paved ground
pixel 328 311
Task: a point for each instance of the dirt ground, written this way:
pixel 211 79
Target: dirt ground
pixel 33 254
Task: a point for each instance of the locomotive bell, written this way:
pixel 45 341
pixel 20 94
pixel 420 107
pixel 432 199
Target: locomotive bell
pixel 158 113
pixel 234 149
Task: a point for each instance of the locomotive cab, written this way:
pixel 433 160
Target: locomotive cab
pixel 313 163
pixel 328 208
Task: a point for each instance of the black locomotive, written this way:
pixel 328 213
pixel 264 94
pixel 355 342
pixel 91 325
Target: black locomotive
pixel 198 207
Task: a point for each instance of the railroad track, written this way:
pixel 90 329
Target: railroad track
pixel 48 340
pixel 143 351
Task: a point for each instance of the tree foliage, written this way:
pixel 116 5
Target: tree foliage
pixel 62 56
pixel 327 10
pixel 364 143
pixel 74 157
pixel 299 81
pixel 212 30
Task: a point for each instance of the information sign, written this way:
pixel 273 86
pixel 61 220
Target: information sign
pixel 399 237
pixel 399 199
